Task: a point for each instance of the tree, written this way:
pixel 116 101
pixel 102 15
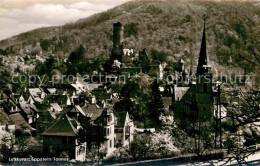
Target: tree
pixel 50 63
pixel 131 29
pixel 125 103
pixel 156 106
pixel 77 55
pixel 6 146
pixel 141 147
pixel 45 44
pixel 242 126
pixel 156 55
pixel 1 61
pixel 41 68
pixel 22 140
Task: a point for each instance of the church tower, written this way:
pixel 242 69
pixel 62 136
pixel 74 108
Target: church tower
pixel 204 94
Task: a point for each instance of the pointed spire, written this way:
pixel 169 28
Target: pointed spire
pixel 203 52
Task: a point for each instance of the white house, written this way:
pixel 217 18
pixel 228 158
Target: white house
pixel 124 129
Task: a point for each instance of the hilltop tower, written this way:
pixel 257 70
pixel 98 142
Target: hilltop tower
pixel 118 31
pixel 117 51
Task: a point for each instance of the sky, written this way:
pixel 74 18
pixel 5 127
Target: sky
pixel 17 16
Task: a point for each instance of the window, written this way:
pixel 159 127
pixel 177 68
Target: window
pixel 114 141
pixel 110 143
pixel 118 130
pixel 105 131
pixel 110 118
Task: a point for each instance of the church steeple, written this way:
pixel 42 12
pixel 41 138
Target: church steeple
pixel 202 63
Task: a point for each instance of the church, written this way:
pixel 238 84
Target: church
pixel 194 101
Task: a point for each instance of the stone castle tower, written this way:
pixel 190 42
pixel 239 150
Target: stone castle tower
pixel 117 51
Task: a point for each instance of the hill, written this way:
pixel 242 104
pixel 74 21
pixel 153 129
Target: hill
pixel 174 28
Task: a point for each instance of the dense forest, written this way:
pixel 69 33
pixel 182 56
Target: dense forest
pixel 171 28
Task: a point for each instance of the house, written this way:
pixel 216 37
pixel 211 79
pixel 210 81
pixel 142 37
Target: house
pixel 44 121
pixel 21 123
pixel 107 121
pixel 37 94
pixel 104 120
pixel 10 106
pixel 61 137
pixel 29 114
pixel 124 129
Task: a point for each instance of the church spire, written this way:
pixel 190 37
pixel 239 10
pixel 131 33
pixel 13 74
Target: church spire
pixel 203 52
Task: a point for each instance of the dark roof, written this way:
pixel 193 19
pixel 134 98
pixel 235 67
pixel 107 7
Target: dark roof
pixel 26 96
pixel 101 95
pixel 66 110
pixel 56 99
pixel 190 94
pixel 121 117
pixel 40 107
pixel 203 53
pixel 92 111
pixel 26 108
pixel 62 127
pixel 20 122
pixel 4 118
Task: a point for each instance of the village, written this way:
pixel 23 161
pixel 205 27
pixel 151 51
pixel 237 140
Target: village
pixel 87 117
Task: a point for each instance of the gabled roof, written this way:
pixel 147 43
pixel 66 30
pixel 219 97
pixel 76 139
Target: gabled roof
pixel 51 90
pixel 4 118
pixel 92 111
pixel 35 91
pixel 26 96
pixel 90 87
pixel 179 92
pixel 20 122
pixel 38 107
pixel 56 107
pixel 181 61
pixel 56 99
pixel 121 118
pixel 203 51
pixel 62 127
pixel 26 108
pixel 190 94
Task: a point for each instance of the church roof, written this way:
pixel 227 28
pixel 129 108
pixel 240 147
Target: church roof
pixel 203 51
pixel 179 92
pixel 190 94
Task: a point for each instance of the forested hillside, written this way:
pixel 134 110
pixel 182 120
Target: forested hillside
pixel 172 28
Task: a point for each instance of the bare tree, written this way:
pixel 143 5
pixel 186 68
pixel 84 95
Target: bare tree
pixel 242 126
